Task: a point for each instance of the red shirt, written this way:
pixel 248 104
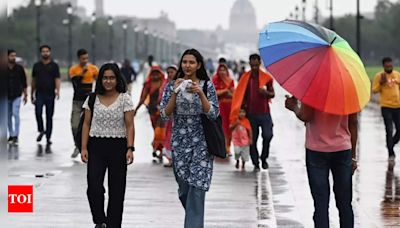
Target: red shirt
pixel 256 102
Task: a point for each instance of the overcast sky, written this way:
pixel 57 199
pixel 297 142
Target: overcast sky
pixel 208 14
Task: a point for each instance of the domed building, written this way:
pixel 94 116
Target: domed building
pixel 242 23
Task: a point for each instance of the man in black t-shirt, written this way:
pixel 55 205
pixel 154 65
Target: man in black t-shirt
pixel 45 88
pixel 16 81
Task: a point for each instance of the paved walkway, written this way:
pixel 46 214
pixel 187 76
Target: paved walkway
pixel 279 197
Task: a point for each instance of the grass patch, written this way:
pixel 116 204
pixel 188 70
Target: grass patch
pixel 372 70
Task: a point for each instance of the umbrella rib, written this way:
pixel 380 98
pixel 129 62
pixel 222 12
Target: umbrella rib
pixel 308 60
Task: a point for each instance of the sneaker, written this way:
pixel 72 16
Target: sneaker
pixel 257 168
pixel 102 225
pixel 392 157
pixel 265 165
pixel 75 153
pixel 49 142
pixel 10 139
pixel 237 164
pixel 40 136
pixel 15 141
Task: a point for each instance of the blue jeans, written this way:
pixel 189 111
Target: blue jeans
pixel 265 122
pixel 13 111
pixel 318 166
pixel 192 200
pixel 48 102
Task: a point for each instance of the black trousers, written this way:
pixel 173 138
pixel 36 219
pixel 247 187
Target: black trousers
pixel 390 116
pixel 265 122
pixel 107 153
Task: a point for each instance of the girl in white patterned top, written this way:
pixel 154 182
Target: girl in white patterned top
pixel 107 143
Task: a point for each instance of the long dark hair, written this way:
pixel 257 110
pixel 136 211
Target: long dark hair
pixel 201 73
pixel 121 85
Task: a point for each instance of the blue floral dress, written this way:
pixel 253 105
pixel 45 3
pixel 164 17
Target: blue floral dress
pixel 191 161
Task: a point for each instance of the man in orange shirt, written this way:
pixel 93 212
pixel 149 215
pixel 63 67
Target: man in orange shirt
pixel 387 84
pixel 82 76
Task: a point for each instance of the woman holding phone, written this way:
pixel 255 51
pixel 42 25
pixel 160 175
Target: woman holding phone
pixel 185 100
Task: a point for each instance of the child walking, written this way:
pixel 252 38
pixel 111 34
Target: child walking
pixel 242 138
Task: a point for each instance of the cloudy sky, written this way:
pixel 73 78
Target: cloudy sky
pixel 208 14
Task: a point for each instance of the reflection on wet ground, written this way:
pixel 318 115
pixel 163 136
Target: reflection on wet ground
pixel 279 197
pixel 390 206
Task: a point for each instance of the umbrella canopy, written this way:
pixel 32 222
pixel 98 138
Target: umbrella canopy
pixel 316 65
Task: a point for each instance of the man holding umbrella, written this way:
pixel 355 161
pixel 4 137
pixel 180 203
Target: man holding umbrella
pixel 319 68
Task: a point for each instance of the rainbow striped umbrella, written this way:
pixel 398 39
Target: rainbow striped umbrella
pixel 316 65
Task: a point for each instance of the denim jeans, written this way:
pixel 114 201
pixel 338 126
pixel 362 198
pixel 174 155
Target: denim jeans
pixel 192 200
pixel 265 122
pixel 13 112
pixel 318 166
pixel 390 116
pixel 48 102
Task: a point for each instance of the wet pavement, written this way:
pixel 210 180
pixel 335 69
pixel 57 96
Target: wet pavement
pixel 279 197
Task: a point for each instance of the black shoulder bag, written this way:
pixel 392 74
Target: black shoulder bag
pixel 78 136
pixel 213 132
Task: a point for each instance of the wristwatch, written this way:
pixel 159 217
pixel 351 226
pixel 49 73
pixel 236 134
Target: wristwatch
pixel 130 147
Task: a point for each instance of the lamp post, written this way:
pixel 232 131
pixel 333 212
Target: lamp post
pixel 38 4
pixel 125 28
pixel 331 26
pixel 296 9
pixel 110 40
pixel 304 10
pixel 146 41
pixel 69 12
pixel 156 46
pixel 93 37
pixel 136 36
pixel 358 29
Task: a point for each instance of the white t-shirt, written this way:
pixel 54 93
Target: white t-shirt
pixel 109 122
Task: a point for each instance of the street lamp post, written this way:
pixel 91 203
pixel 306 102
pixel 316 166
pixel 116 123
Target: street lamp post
pixel 331 26
pixel 93 38
pixel 146 41
pixel 125 28
pixel 110 40
pixel 38 4
pixel 156 46
pixel 304 10
pixel 358 32
pixel 136 36
pixel 69 12
pixel 296 9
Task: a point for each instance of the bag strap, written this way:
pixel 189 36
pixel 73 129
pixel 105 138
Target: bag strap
pixel 205 87
pixel 92 99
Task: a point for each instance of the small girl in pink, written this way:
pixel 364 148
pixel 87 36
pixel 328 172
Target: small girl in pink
pixel 242 138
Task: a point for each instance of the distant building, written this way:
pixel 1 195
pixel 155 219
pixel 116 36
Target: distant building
pixel 99 8
pixel 74 3
pixel 242 23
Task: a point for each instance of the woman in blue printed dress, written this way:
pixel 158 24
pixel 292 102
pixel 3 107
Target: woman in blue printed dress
pixel 185 100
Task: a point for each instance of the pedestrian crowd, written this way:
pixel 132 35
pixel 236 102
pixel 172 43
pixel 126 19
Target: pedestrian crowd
pixel 177 100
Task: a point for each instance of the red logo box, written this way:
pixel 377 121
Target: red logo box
pixel 20 198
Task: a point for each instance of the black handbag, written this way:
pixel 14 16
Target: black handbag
pixel 213 132
pixel 78 135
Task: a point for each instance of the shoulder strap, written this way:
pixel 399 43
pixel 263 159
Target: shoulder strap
pixel 92 99
pixel 205 87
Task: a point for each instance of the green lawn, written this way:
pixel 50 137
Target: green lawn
pixel 372 70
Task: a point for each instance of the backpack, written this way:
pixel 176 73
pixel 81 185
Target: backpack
pixel 78 135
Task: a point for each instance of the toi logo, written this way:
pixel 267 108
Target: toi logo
pixel 20 198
